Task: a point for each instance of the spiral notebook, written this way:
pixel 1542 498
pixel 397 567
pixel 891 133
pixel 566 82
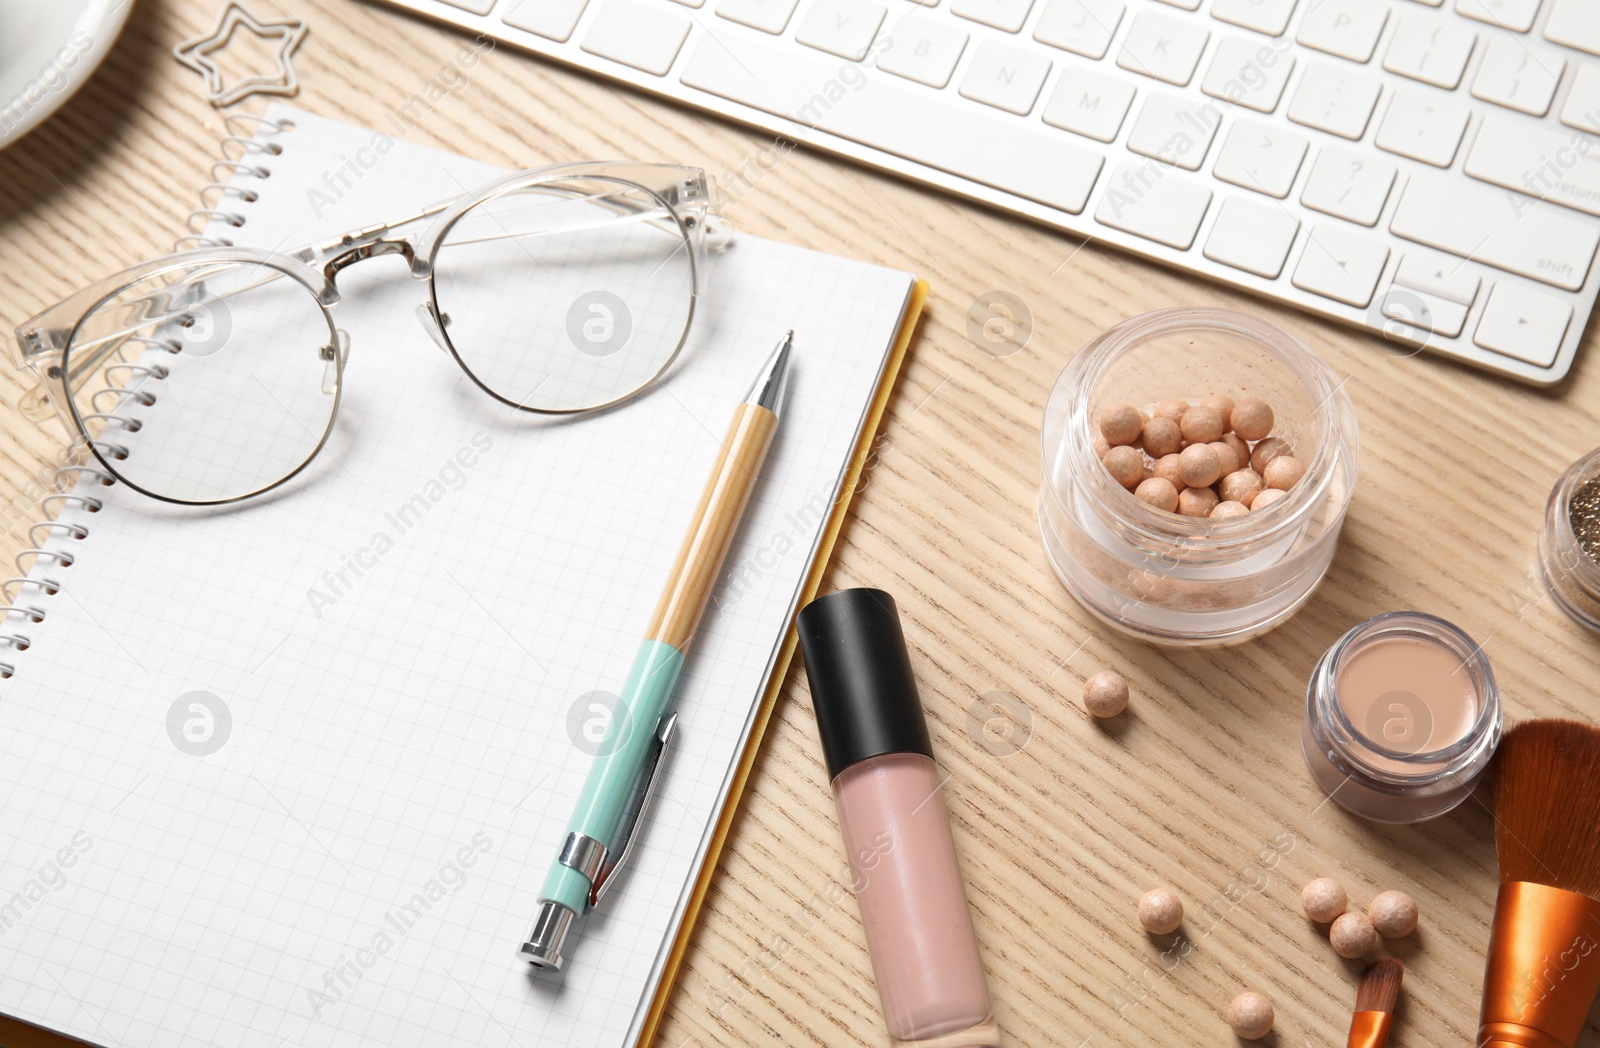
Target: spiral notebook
pixel 256 797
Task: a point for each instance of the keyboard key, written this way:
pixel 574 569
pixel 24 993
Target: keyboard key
pixel 1143 199
pixel 1523 323
pixel 1521 155
pixel 639 35
pixel 769 16
pixel 1347 28
pixel 1249 73
pixel 477 7
pixel 1260 157
pixel 1431 51
pixel 1573 22
pixel 1187 5
pixel 1089 104
pixel 1342 263
pixel 1582 110
pixel 1084 27
pixel 1252 235
pixel 841 27
pixel 1350 185
pixel 1423 125
pixel 551 19
pixel 1508 14
pixel 1264 16
pixel 1002 14
pixel 923 50
pixel 1512 77
pixel 1335 101
pixel 1039 165
pixel 1541 241
pixel 1163 47
pixel 1177 130
pixel 1005 77
pixel 1422 310
pixel 1454 283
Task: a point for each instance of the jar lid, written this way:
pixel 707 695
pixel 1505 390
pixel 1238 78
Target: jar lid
pixel 862 686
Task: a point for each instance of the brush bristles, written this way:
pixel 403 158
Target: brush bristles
pixel 1547 805
pixel 1379 988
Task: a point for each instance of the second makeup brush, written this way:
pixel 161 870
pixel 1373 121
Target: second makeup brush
pixel 1376 995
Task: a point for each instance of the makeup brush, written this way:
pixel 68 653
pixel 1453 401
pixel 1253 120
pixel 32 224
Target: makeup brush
pixel 1376 994
pixel 1543 968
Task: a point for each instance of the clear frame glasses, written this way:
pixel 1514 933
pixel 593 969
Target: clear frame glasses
pixel 209 376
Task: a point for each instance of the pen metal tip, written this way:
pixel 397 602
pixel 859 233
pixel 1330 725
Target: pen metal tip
pixel 770 385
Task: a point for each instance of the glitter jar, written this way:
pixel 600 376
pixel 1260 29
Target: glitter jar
pixel 1570 541
pixel 1180 580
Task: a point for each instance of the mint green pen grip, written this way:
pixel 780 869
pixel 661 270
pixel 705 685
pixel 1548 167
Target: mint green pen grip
pixel 615 772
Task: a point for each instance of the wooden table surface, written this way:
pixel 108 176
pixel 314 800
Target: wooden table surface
pixel 1063 823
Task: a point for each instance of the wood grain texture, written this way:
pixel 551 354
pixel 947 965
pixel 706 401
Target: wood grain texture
pixel 716 519
pixel 1065 822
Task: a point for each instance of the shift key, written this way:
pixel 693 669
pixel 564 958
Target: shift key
pixel 1499 228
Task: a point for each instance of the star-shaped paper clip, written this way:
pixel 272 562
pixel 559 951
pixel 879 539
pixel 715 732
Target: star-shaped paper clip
pixel 196 54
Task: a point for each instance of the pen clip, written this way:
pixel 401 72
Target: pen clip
pixel 638 806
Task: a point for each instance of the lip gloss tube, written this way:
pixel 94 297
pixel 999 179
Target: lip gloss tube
pixel 891 811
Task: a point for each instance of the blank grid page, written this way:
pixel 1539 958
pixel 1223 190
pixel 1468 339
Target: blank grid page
pixel 292 772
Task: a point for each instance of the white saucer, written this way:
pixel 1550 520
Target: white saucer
pixel 48 48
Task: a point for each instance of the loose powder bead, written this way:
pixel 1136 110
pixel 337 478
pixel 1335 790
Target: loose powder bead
pixel 1126 466
pixel 1228 456
pixel 1101 446
pixel 1162 437
pixel 1224 510
pixel 1199 465
pixel 1223 405
pixel 1197 502
pixel 1324 899
pixel 1106 695
pixel 1202 425
pixel 1120 423
pixel 1251 1016
pixel 1240 448
pixel 1394 914
pixel 1267 450
pixel 1172 407
pixel 1160 911
pixel 1267 498
pixel 1251 418
pixel 1158 492
pixel 1241 486
pixel 1353 935
pixel 1168 468
pixel 1284 472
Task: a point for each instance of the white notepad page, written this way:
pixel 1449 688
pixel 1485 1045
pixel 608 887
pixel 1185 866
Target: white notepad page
pixel 359 859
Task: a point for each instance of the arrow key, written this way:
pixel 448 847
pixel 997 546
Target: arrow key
pixel 1523 323
pixel 1341 263
pixel 1449 280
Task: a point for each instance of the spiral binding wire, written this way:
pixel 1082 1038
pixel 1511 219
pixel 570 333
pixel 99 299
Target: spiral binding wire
pixel 19 595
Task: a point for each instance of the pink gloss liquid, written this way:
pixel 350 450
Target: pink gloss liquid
pixel 913 906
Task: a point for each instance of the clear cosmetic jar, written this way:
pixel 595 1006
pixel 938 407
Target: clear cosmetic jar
pixel 1182 580
pixel 1572 575
pixel 1402 718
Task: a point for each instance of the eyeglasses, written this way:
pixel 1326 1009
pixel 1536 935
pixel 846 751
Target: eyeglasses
pixel 212 375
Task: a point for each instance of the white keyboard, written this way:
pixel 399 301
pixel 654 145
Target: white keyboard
pixel 1427 169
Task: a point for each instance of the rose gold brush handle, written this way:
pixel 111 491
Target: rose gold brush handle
pixel 1370 1029
pixel 1543 969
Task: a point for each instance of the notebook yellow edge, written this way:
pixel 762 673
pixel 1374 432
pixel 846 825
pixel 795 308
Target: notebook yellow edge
pixel 791 640
pixel 17 1034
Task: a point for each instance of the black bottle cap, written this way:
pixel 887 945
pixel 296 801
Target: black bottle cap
pixel 861 682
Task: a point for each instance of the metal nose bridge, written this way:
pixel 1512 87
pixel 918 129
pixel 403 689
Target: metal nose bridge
pixel 360 252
